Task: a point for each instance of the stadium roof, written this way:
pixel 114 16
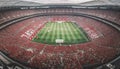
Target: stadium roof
pixel 44 2
pixel 58 1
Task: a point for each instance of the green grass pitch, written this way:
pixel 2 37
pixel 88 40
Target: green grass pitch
pixel 67 31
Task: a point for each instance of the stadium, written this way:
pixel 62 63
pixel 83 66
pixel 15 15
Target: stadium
pixel 58 34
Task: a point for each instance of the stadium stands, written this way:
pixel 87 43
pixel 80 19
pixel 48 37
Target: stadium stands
pixel 101 48
pixel 16 39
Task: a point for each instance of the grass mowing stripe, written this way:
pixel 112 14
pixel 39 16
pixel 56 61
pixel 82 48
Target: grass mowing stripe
pixel 53 33
pixel 62 31
pixel 81 32
pixel 64 37
pixel 59 32
pixel 70 34
pixel 48 36
pixel 74 34
pixel 66 33
pixel 43 37
pixel 41 33
pixel 84 35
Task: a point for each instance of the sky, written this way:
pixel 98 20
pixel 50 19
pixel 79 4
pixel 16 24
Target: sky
pixel 59 1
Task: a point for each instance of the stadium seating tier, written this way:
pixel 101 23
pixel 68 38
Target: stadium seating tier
pixel 100 49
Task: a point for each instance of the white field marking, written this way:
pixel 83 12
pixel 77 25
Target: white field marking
pixel 59 41
pixel 60 21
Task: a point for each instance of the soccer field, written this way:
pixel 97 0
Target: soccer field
pixel 68 32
